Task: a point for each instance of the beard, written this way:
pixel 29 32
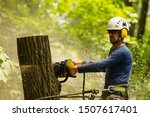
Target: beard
pixel 112 40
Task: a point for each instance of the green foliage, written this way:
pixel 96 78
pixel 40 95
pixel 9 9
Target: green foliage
pixel 86 22
pixel 140 79
pixel 18 20
pixel 79 23
pixel 10 81
pixel 75 27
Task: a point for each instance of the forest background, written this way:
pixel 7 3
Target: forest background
pixel 76 30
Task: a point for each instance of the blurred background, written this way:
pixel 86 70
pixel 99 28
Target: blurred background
pixel 76 30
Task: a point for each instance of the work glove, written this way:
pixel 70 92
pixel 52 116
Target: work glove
pixel 70 65
pixel 78 63
pixel 86 62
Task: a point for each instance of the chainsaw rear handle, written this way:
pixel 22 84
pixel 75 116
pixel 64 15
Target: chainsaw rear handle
pixel 66 78
pixel 61 70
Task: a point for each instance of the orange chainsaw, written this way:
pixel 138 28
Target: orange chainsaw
pixel 61 70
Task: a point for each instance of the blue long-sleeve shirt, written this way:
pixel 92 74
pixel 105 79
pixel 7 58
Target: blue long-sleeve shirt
pixel 118 66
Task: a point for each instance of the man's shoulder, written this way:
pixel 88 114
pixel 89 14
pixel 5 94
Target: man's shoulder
pixel 126 52
pixel 124 48
pixel 123 51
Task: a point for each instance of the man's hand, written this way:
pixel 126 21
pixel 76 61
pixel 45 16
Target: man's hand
pixel 70 65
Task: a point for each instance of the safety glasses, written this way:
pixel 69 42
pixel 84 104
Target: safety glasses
pixel 113 31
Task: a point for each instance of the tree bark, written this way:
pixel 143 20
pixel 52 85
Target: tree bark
pixel 142 18
pixel 36 67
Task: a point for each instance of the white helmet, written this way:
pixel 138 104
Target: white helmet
pixel 117 23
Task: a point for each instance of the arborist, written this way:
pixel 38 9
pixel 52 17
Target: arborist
pixel 117 66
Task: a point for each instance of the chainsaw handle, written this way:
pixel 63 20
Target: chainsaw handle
pixel 66 78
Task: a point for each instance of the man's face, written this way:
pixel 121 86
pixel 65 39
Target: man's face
pixel 113 35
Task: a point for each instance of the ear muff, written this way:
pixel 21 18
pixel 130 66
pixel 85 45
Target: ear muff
pixel 124 33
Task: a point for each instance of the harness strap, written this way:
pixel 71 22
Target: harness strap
pixel 117 88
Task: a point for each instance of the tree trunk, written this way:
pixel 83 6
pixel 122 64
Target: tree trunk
pixel 133 4
pixel 128 2
pixel 36 67
pixel 142 18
